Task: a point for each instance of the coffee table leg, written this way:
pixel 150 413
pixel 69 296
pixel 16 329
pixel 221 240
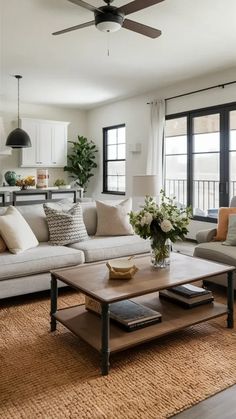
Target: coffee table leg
pixel 105 339
pixel 54 294
pixel 230 297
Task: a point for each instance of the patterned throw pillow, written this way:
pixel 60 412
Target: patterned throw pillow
pixel 65 226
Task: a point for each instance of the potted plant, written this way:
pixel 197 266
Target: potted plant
pixel 81 161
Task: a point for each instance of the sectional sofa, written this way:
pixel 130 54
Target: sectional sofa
pixel 29 271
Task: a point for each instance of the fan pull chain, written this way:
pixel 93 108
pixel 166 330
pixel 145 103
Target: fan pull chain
pixel 108 43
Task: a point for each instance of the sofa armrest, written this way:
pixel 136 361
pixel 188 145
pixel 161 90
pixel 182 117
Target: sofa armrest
pixel 205 236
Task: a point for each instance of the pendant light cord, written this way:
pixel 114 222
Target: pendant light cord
pixel 18 77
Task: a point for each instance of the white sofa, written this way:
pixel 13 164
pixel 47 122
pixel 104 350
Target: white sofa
pixel 29 271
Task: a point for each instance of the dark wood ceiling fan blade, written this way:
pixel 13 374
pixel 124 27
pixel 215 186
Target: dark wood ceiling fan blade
pixel 142 29
pixel 74 28
pixel 137 5
pixel 84 4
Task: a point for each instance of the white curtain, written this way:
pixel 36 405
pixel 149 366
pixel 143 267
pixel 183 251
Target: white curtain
pixel 156 141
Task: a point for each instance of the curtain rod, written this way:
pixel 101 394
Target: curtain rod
pixel 199 91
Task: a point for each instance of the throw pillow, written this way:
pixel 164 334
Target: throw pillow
pixel 3 246
pixel 222 226
pixel 65 226
pixel 113 220
pixel 16 232
pixel 231 235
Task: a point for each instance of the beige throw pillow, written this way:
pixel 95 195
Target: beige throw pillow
pixel 16 232
pixel 3 246
pixel 113 220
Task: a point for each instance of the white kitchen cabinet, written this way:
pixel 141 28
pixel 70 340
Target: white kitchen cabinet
pixel 49 143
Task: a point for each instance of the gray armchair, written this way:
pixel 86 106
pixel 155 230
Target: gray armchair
pixel 215 251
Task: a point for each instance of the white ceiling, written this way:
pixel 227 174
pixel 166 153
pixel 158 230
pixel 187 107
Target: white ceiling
pixel 198 36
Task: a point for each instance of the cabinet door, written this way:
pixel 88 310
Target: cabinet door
pixel 29 155
pixel 59 145
pixel 45 143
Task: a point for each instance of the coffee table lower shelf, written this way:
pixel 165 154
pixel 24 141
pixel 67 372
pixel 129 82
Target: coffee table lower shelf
pixel 87 325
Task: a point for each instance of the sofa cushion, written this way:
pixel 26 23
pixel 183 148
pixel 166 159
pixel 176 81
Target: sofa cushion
pixel 217 252
pixel 113 219
pixel 104 248
pixel 35 217
pixel 38 260
pixel 16 232
pixel 65 226
pixel 3 246
pixel 223 221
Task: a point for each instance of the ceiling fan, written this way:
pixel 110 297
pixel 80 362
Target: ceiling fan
pixel 110 18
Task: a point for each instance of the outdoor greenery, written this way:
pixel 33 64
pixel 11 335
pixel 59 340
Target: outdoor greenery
pixel 81 161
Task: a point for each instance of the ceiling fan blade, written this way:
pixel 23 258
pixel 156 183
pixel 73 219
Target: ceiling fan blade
pixel 137 5
pixel 142 29
pixel 85 5
pixel 74 28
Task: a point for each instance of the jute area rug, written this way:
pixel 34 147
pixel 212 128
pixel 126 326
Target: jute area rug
pixel 46 375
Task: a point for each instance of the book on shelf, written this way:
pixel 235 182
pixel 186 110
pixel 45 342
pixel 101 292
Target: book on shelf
pixel 186 302
pixel 128 314
pixel 190 291
pixel 132 316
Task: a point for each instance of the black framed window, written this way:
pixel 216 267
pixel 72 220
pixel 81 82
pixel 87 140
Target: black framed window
pixel 200 159
pixel 114 159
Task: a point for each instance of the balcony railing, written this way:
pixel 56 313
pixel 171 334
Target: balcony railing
pixel 205 193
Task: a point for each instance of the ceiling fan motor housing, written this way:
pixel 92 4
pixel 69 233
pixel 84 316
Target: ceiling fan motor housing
pixel 110 19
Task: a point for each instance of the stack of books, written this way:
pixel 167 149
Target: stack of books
pixel 132 316
pixel 188 295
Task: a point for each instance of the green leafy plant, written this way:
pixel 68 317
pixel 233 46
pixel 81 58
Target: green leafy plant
pixel 81 161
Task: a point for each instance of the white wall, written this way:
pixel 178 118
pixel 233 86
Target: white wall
pixel 134 112
pixel 78 125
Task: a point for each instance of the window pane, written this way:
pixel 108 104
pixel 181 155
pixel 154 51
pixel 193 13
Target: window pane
pixel 121 135
pixel 176 166
pixel 115 168
pixel 121 183
pixel 121 151
pixel 206 184
pixel 203 143
pixel 175 127
pixel 111 136
pixel 112 183
pixel 112 152
pixel 232 143
pixel 232 175
pixel 176 145
pixel 206 124
pixel 176 178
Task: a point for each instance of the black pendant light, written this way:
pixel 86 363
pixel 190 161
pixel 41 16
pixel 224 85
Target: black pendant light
pixel 18 138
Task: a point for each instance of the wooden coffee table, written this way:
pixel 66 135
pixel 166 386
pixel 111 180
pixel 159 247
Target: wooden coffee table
pixel 92 280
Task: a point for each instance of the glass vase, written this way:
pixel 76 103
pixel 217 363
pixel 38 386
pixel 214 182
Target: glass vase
pixel 160 253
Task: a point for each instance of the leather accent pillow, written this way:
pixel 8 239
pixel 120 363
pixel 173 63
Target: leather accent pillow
pixel 16 232
pixel 3 246
pixel 65 226
pixel 231 235
pixel 223 220
pixel 113 220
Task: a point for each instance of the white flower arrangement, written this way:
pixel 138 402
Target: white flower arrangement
pixel 161 222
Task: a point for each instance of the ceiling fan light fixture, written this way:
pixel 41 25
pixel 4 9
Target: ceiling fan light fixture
pixel 108 26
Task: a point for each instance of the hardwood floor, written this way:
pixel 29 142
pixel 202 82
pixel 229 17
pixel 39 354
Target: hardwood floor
pixel 220 406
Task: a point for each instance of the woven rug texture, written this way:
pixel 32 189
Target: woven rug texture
pixel 55 375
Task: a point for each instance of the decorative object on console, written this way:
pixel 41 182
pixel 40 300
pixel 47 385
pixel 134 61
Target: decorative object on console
pixel 113 220
pixel 25 182
pixel 81 161
pixel 42 178
pixel 160 223
pixel 121 268
pixel 18 138
pixel 10 177
pixel 16 232
pixel 65 226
